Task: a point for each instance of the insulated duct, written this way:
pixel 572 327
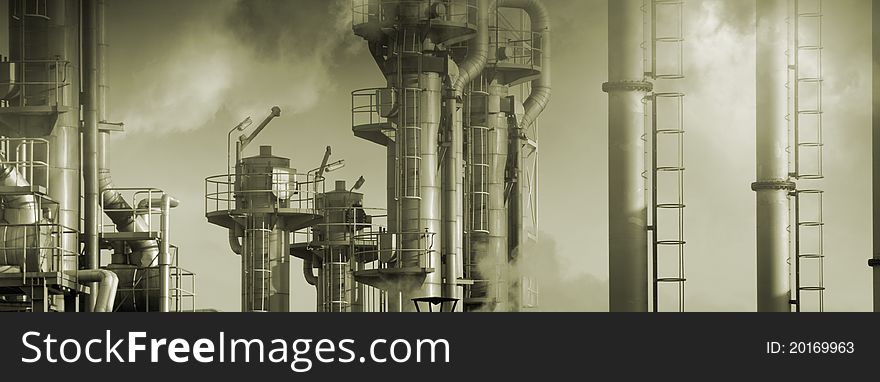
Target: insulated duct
pixel 478 51
pixel 309 273
pixel 541 88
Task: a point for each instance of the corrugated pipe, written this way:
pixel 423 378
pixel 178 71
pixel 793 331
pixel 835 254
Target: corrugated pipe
pixel 107 283
pixel 540 22
pixel 143 252
pixel 478 51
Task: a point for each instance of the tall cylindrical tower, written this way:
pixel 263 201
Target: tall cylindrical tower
pixel 261 204
pixel 627 209
pixel 773 184
pixel 409 41
pixel 487 257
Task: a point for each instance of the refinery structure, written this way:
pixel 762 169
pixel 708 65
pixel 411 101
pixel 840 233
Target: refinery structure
pixel 457 119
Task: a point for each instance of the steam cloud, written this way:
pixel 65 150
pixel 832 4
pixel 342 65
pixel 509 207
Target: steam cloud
pixel 242 57
pixel 558 289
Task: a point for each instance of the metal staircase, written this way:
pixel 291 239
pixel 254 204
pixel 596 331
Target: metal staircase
pixel 805 123
pixel 666 155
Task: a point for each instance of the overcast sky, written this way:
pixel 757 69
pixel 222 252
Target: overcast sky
pixel 183 73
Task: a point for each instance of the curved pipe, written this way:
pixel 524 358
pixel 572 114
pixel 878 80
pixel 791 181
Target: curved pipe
pixel 478 51
pixel 309 273
pixel 235 240
pixel 541 87
pixel 107 281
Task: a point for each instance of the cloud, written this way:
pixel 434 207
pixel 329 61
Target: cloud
pixel 243 57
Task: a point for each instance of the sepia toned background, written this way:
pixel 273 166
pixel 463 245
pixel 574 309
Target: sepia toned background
pixel 183 73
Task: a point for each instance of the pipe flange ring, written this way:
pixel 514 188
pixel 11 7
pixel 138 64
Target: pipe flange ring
pixel 774 185
pixel 623 86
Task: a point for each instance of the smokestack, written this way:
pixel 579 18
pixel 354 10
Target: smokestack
pixel 628 213
pixel 773 183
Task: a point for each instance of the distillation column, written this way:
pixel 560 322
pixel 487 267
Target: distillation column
pixel 343 217
pixel 627 209
pixel 44 44
pixel 488 247
pixel 409 41
pixel 261 187
pixel 419 192
pixel 773 184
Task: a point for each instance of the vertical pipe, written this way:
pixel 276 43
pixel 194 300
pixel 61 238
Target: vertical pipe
pixel 627 217
pixel 515 212
pixel 773 185
pixel 165 256
pixel 875 263
pixel 90 137
pixel 103 88
pixel 279 266
pixel 420 217
pixel 495 259
pixel 452 203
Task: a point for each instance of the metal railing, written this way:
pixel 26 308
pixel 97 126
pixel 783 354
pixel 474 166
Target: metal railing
pixel 514 46
pixel 384 11
pixel 235 193
pixel 398 250
pixel 372 106
pixel 29 156
pixel 145 287
pixel 51 78
pixel 39 247
pixel 140 203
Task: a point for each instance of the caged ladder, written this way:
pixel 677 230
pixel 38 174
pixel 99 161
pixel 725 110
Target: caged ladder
pixel 805 123
pixel 666 155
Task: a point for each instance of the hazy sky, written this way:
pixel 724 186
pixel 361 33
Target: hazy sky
pixel 185 72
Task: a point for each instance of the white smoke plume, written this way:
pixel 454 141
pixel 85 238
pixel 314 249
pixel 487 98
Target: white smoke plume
pixel 242 57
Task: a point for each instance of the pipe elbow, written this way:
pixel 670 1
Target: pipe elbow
pixel 478 54
pixel 108 283
pixel 308 273
pixel 235 241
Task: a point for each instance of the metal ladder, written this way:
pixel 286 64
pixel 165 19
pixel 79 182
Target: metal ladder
pixel 666 154
pixel 805 121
